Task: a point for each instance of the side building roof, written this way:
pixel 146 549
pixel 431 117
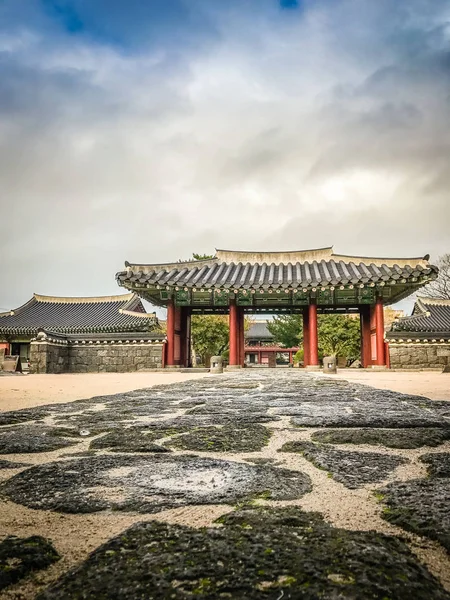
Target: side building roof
pixel 429 316
pixel 104 314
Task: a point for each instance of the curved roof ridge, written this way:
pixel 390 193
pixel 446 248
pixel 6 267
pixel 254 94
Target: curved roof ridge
pixel 139 315
pixel 282 257
pixel 19 309
pixel 434 301
pixel 82 299
pixel 276 251
pixel 276 257
pixel 380 260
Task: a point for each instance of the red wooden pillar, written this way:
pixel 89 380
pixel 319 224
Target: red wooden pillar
pixel 185 337
pixel 305 337
pixel 234 334
pixel 366 353
pixel 379 319
pixel 177 338
pixel 170 362
pixel 313 337
pixel 241 338
pixel 188 338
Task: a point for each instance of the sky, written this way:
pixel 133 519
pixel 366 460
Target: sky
pixel 146 131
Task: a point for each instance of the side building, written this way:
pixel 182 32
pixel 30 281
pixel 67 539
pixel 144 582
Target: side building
pixel 421 341
pixel 77 335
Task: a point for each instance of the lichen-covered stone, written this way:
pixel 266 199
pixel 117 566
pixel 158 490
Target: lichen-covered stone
pixel 353 469
pixel 8 464
pixel 223 439
pixel 391 438
pixel 148 483
pixel 20 556
pixel 257 554
pixel 26 439
pixel 130 440
pixel 420 506
pixel 438 464
pixel 380 411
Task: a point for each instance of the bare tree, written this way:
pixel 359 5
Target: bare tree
pixel 440 287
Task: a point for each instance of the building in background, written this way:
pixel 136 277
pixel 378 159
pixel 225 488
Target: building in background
pixel 421 341
pixel 261 349
pixel 109 333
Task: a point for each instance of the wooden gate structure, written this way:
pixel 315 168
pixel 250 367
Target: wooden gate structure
pixel 306 282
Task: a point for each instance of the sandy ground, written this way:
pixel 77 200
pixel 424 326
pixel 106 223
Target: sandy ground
pixel 431 384
pixel 26 391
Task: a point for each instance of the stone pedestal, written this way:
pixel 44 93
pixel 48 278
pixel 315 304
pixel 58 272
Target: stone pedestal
pixel 216 364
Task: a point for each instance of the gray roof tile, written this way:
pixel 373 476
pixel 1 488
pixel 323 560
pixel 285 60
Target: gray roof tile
pixel 299 270
pixel 77 315
pixel 429 316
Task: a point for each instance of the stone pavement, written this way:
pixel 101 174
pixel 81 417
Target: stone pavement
pixel 308 487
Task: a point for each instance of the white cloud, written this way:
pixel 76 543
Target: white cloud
pixel 329 126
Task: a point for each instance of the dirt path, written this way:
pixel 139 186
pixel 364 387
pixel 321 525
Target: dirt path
pixel 430 384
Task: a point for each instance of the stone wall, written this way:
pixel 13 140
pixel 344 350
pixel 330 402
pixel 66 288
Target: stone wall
pixel 62 357
pixel 49 357
pixel 115 358
pixel 419 355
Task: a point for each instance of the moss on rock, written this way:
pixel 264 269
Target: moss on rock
pixel 415 437
pixel 21 556
pixel 258 553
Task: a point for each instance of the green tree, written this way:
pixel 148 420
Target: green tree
pixel 287 330
pixel 339 335
pixel 209 336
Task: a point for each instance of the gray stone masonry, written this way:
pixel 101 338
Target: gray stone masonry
pixel 48 357
pixel 420 355
pixel 114 358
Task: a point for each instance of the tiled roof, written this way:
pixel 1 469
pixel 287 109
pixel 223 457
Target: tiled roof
pixel 77 315
pixel 430 315
pixel 303 269
pixel 258 331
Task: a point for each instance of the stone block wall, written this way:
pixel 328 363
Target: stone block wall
pixel 115 358
pixel 420 355
pixel 49 357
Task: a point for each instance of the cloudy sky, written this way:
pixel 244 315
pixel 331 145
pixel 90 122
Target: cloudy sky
pixel 144 131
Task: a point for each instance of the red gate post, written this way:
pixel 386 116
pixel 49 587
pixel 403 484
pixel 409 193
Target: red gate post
pixel 366 354
pixel 305 337
pixel 241 337
pixel 234 334
pixel 313 337
pixel 170 362
pixel 379 319
pixel 185 335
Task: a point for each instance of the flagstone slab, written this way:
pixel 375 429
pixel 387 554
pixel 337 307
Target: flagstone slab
pixel 256 554
pixel 148 483
pixel 390 438
pixel 351 468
